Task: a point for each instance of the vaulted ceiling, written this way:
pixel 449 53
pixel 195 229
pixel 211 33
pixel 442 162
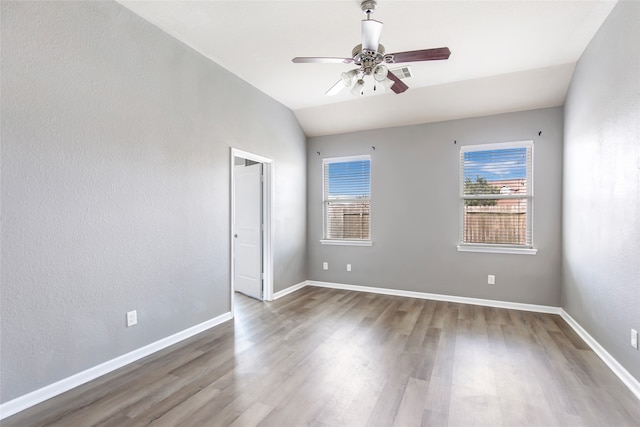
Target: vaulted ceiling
pixel 506 55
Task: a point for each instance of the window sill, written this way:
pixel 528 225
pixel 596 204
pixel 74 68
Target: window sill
pixel 347 242
pixel 497 249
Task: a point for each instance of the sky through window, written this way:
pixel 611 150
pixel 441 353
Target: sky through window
pixel 349 179
pixel 496 165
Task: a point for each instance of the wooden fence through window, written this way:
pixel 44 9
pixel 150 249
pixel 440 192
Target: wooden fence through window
pixel 495 224
pixel 348 220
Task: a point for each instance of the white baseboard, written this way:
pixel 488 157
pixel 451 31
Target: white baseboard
pixel 617 368
pixel 28 400
pixel 290 289
pixel 439 297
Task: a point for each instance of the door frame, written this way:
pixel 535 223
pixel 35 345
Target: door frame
pixel 267 238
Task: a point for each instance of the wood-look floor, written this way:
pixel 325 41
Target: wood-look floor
pixel 326 357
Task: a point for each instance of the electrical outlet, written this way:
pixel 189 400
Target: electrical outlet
pixel 348 267
pixel 491 279
pixel 325 265
pixel 634 339
pixel 132 318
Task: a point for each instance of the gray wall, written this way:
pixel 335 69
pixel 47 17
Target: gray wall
pixel 415 211
pixel 115 186
pixel 601 256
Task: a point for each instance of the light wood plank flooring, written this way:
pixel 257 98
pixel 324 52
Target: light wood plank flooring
pixel 326 357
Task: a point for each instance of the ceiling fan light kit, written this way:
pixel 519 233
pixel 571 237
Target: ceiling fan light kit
pixel 348 77
pixel 370 58
pixel 380 73
pixel 358 88
pixel 387 83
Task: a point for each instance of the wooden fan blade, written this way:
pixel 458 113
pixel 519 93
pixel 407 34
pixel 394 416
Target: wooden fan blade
pixel 321 60
pixel 419 55
pixel 398 85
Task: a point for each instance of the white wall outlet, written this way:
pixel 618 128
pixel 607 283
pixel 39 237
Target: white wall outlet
pixel 348 267
pixel 132 318
pixel 491 279
pixel 325 265
pixel 634 339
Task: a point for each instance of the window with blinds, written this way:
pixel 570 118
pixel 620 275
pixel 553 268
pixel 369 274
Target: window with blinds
pixel 347 198
pixel 496 194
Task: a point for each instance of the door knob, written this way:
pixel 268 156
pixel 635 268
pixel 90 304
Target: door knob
pixel 235 235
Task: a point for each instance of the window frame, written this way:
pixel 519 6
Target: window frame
pixel 344 242
pixel 504 248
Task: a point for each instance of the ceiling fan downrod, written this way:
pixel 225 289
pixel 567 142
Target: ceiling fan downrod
pixel 368 7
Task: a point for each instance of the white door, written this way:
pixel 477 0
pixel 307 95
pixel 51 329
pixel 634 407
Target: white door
pixel 248 235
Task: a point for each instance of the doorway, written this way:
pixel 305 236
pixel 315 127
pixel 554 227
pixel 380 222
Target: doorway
pixel 251 243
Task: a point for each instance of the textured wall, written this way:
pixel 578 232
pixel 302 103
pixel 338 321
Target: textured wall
pixel 415 211
pixel 601 226
pixel 115 186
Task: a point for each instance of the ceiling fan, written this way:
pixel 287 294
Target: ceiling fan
pixel 370 57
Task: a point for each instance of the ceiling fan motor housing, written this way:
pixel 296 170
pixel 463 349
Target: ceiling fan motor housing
pixel 368 59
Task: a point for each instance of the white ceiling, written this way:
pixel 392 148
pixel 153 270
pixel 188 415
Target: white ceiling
pixel 506 55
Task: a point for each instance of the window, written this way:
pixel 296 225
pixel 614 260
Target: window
pixel 347 200
pixel 496 197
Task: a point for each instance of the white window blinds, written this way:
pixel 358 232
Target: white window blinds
pixel 347 198
pixel 496 194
